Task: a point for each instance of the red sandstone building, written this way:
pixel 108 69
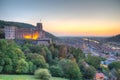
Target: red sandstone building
pixel 34 33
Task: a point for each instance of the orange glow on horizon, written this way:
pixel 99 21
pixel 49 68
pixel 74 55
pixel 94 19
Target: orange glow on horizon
pixel 33 36
pixel 82 27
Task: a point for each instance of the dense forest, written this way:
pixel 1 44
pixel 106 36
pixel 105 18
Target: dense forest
pixel 60 60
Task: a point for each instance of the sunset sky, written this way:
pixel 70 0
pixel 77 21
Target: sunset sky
pixel 66 17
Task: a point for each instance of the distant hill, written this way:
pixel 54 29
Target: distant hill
pixel 114 38
pixel 19 24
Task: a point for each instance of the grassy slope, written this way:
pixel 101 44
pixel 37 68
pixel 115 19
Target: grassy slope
pixel 23 77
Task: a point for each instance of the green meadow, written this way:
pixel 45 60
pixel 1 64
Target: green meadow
pixel 24 77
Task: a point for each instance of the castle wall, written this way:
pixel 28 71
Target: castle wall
pixel 20 32
pixel 13 32
pixel 10 32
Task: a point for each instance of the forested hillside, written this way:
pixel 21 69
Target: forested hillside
pixel 114 38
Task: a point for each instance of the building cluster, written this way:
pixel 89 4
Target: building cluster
pixel 36 34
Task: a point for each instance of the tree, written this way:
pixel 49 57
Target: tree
pixel 115 65
pixel 88 72
pixel 115 73
pixel 54 61
pixel 36 49
pixel 70 69
pixel 54 51
pixel 105 70
pixel 37 60
pixel 8 68
pixel 1 68
pixel 48 55
pixel 94 61
pixel 63 51
pixel 115 69
pixel 10 54
pixel 31 67
pixel 43 53
pixel 8 61
pixel 22 66
pixel 118 74
pixel 2 33
pixel 3 45
pixel 56 71
pixel 2 62
pixel 15 54
pixel 77 53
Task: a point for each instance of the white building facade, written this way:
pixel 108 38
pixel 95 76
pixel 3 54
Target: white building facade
pixel 10 32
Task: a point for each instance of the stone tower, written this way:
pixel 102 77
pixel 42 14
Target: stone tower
pixel 39 27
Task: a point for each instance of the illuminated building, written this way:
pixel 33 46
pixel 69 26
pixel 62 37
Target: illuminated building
pixel 34 33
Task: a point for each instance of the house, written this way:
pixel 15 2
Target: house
pixel 99 76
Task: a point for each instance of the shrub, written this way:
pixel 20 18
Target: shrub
pixel 42 74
